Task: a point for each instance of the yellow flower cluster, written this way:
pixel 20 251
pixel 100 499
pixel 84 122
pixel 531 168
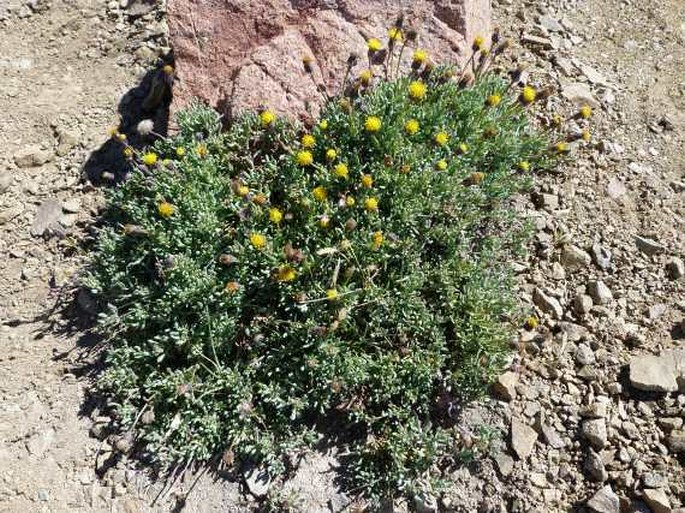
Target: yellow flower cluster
pixel 267 118
pixel 411 127
pixel 165 209
pixel 373 124
pixel 304 158
pixel 341 171
pixel 149 159
pixel 417 90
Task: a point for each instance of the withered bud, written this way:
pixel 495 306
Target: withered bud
pixel 107 176
pixel 148 417
pixel 134 229
pixel 352 59
pixel 350 224
pixel 345 105
pixel 545 93
pixel 399 23
pixel 228 458
pixel 307 62
pixel 496 36
pixel 227 259
pixel 387 160
pixel 466 81
pixel 427 70
pixel 307 120
pixel 379 57
pixel 411 35
pixel 169 262
pixel 292 254
pixel 516 74
pixel 502 47
pixel 333 326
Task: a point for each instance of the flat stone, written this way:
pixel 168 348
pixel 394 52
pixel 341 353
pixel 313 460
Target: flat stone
pixel 32 156
pixel 258 481
pixel 601 256
pixel 550 23
pixel 6 179
pixel 551 437
pixel 594 467
pixel 505 386
pixel 523 438
pixel 648 246
pixel 595 432
pixel 616 189
pixel 505 464
pixel 579 93
pixel 72 206
pixel 584 355
pixel 600 293
pixel 604 501
pixel 670 423
pixel 582 304
pixel 547 304
pixel 47 218
pixel 676 441
pixel 572 257
pixel 657 500
pixel 675 268
pixel 653 374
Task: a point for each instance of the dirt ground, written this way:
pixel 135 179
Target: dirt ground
pixel 65 65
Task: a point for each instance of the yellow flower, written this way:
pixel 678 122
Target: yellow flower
pixel 320 193
pixel 441 165
pixel 165 209
pixel 323 124
pixel 417 90
pixel 524 166
pixel 371 204
pixel 478 42
pixel 586 135
pixel 585 112
pixel 561 147
pixel 463 148
pixel 331 154
pixel 366 76
pixel 341 171
pixel 332 294
pixel 257 240
pixel 286 273
pixel 166 162
pixel 367 181
pixel 324 221
pixel 350 201
pixel 121 137
pixel 377 239
pixel 373 124
pixel 304 158
pixel 149 159
pixel 395 34
pixel 308 141
pixel 113 132
pixel 494 100
pixel 168 69
pixel 232 286
pixel 528 95
pixel 411 127
pixel 242 191
pixel 531 323
pixel 405 169
pixel 374 45
pixel 180 151
pixel 557 120
pixel 441 138
pixel 128 152
pixel 267 118
pixel 201 150
pixel 275 215
pixel 420 56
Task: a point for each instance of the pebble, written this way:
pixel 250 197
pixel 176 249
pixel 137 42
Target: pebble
pixel 605 501
pixel 523 438
pixel 675 268
pixel 547 304
pixel 6 179
pixel 580 94
pixel 648 246
pixel 505 464
pixel 600 293
pixel 595 432
pixel 258 481
pixel 676 441
pixel 601 256
pixel 72 206
pixel 47 219
pixel 505 386
pixel 582 304
pixel 572 257
pixel 584 355
pixel 616 189
pixel 657 500
pixel 32 156
pixel 594 467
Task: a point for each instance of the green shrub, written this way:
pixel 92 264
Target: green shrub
pixel 253 299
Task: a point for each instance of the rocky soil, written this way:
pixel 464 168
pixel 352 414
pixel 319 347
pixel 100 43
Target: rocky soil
pixel 589 417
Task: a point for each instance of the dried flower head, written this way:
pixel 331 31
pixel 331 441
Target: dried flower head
pixel 168 69
pixel 145 127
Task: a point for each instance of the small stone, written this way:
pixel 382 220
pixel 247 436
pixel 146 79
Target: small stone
pixel 523 438
pixel 656 311
pixel 600 293
pixel 654 480
pixel 595 432
pixel 676 441
pixel 572 257
pixel 670 423
pixel 6 179
pixel 550 23
pixel 43 495
pixel 505 386
pixel 601 256
pixel 653 374
pixel 258 481
pixel 594 467
pixel 47 219
pixel 538 479
pixel 72 206
pixel 616 189
pixel 551 437
pixel 605 501
pixel 580 94
pixel 32 156
pixel 657 500
pixel 425 503
pixel 648 246
pixel 6 215
pixel 584 355
pixel 505 464
pixel 541 42
pixel 582 304
pixel 675 268
pixel 547 303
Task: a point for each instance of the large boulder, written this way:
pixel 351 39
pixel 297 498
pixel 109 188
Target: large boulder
pixel 238 54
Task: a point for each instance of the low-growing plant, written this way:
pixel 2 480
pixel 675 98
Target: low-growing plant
pixel 265 281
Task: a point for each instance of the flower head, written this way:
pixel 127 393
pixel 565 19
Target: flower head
pixel 441 138
pixel 561 147
pixel 585 112
pixel 341 171
pixel 128 152
pixel 180 151
pixel 165 209
pixel 324 221
pixel 371 204
pixel 304 158
pixel 395 34
pixel 367 181
pixel 417 90
pixel 285 273
pixel 232 286
pixel 308 141
pixel 257 240
pixel 528 95
pixel 168 69
pixel 350 201
pixel 331 154
pixel 531 323
pixel 267 118
pixel 377 239
pixel 419 57
pixel 411 127
pixel 373 124
pixel 320 193
pixel 463 148
pixel 441 165
pixel 201 150
pixel 374 45
pixel 524 166
pixel 149 159
pixel 323 124
pixel 275 215
pixel 493 100
pixel 332 294
pixel 366 76
pixel 478 43
pixel 585 135
pixel 476 177
pixel 242 190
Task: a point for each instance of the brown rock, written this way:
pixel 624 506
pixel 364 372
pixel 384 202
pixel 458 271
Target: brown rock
pixel 239 54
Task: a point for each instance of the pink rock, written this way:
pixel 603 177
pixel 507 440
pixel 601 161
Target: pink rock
pixel 239 54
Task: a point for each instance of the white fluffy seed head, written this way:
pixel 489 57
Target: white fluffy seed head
pixel 145 127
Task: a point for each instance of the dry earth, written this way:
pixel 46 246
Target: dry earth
pixel 580 426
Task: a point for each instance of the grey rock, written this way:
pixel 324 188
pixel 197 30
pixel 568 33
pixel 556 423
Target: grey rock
pixel 582 304
pixel 657 500
pixel 505 386
pixel 653 373
pixel 47 219
pixel 505 464
pixel 595 432
pixel 584 355
pixel 648 246
pixel 572 257
pixel 600 293
pixel 425 503
pixel 594 467
pixel 654 480
pixel 676 441
pixel 72 206
pixel 601 256
pixel 257 480
pixel 616 189
pixel 7 214
pixel 550 23
pixel 675 268
pixel 43 495
pixel 580 94
pixel 656 311
pixel 604 501
pixel 523 438
pixel 32 156
pixel 6 179
pixel 670 423
pixel 551 436
pixel 138 8
pixel 547 304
